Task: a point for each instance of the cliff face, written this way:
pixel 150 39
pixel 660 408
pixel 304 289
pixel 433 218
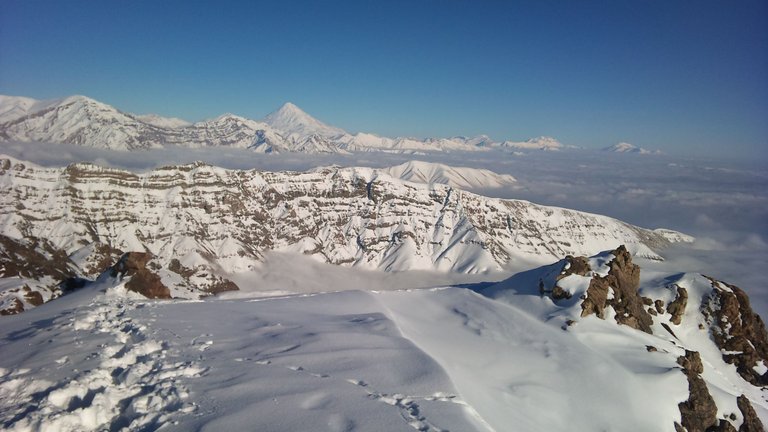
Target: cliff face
pixel 213 221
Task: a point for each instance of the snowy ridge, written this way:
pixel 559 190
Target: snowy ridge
pixel 163 122
pixel 213 220
pixel 625 147
pixel 539 143
pixel 457 177
pixel 102 359
pixel 83 121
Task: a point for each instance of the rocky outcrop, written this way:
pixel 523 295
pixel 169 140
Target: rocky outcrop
pixel 737 330
pixel 751 421
pixel 142 280
pixel 622 280
pixel 669 312
pixel 699 412
pixel 677 307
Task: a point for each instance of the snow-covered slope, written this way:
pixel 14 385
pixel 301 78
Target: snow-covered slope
pixel 516 359
pixel 83 121
pixel 163 122
pixel 539 143
pixel 457 177
pixel 199 221
pixel 625 147
pixel 291 120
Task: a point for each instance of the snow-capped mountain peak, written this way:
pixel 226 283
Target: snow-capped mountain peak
pixel 292 120
pixel 83 121
pixel 538 143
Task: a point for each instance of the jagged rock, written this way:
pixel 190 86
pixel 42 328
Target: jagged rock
pixel 677 307
pixel 659 305
pixel 143 280
pixel 751 422
pixel 624 278
pixel 176 267
pixel 723 426
pixel 699 412
pixel 737 330
pixel 222 285
pixel 596 297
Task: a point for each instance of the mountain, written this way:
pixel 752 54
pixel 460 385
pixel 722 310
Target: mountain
pixel 539 143
pixel 624 147
pixel 292 121
pixel 201 223
pixel 83 121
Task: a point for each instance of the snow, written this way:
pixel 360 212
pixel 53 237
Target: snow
pixel 163 122
pixel 625 147
pixel 376 354
pixel 458 177
pixel 86 122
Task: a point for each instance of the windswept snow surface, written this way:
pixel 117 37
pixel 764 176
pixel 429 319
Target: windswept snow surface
pixel 445 358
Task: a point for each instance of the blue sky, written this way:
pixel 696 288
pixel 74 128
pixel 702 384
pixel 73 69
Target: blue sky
pixel 686 77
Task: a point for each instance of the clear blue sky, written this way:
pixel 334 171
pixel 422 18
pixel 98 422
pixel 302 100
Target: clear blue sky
pixel 683 76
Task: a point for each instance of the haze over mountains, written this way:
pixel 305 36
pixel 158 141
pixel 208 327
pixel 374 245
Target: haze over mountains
pixel 83 121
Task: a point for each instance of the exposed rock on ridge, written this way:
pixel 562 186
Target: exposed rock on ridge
pixel 142 280
pixel 723 341
pixel 737 330
pixel 699 412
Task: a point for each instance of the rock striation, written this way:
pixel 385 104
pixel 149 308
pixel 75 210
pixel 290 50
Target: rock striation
pixel 216 222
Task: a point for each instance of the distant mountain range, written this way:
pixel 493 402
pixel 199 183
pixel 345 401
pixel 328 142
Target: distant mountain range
pixel 86 122
pixel 625 147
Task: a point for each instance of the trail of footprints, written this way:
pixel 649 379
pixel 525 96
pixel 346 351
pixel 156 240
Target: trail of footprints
pixel 131 386
pixel 409 409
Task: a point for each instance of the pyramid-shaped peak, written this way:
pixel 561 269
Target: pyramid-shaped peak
pixel 292 120
pixel 290 107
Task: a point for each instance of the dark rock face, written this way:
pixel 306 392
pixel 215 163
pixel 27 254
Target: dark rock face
pixel 597 297
pixel 737 330
pixel 624 278
pixel 699 412
pixel 143 280
pixel 677 307
pixel 751 422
